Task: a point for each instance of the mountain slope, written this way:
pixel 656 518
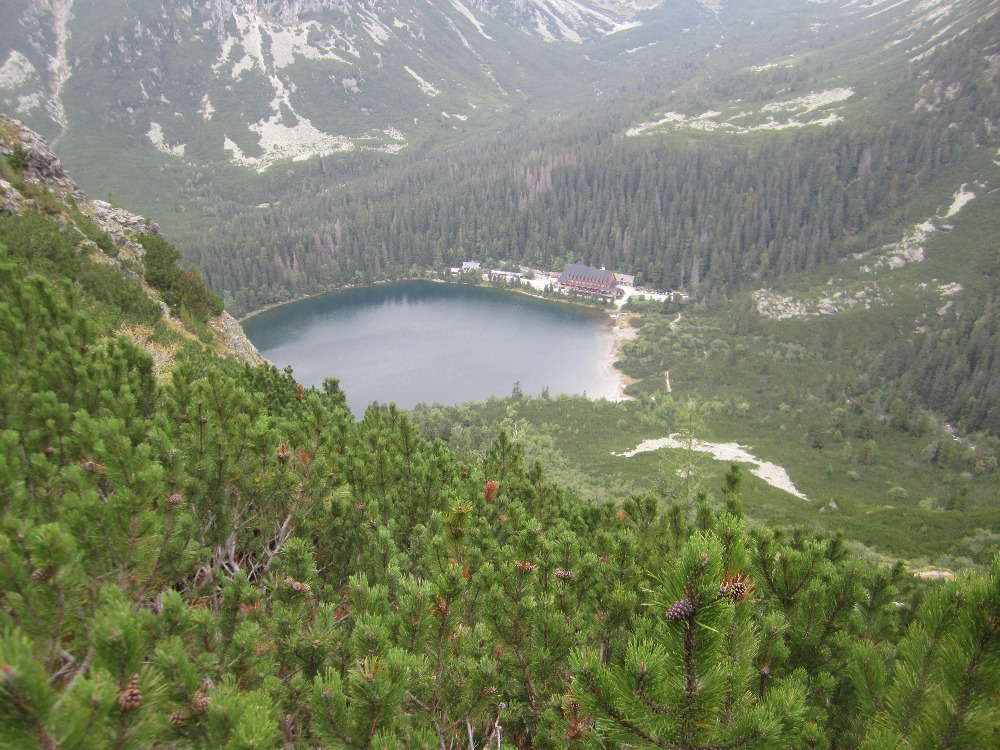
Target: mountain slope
pixel 287 80
pixel 122 268
pixel 704 146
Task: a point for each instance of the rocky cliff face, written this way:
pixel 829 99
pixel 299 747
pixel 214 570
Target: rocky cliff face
pixel 43 177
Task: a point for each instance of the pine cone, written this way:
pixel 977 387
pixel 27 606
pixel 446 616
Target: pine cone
pixel 200 703
pixel 736 586
pixel 682 609
pixel 178 717
pixel 563 575
pixel 441 608
pixel 525 566
pixel 90 464
pixel 131 697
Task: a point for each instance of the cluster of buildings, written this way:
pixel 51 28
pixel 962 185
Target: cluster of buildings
pixel 575 277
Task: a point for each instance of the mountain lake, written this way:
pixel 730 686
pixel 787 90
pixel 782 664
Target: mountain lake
pixel 426 342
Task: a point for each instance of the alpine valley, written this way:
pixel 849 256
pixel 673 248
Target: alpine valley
pixel 786 536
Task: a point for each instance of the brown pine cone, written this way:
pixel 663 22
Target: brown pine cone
pixel 682 609
pixel 131 697
pixel 200 703
pixel 441 608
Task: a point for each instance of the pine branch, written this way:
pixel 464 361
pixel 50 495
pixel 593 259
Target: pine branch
pixel 84 666
pixel 631 726
pixel 964 696
pixel 920 685
pixel 642 696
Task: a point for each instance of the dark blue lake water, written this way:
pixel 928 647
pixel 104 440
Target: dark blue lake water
pixel 425 342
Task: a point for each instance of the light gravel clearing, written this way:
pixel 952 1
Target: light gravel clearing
pixel 774 475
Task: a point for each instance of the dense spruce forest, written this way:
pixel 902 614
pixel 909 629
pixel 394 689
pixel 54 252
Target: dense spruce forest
pixel 693 210
pixel 218 557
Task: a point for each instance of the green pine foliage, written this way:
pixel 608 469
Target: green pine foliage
pixel 932 693
pixel 698 682
pixel 182 289
pixel 222 558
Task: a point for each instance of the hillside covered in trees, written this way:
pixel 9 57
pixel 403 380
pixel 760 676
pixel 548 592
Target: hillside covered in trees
pixel 697 206
pixel 217 557
pixel 722 149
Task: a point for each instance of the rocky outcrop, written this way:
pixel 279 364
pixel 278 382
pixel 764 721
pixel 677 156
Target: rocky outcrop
pixel 43 166
pixel 8 202
pixel 235 341
pixel 121 223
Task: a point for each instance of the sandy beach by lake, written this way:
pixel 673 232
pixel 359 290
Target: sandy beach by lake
pixel 620 331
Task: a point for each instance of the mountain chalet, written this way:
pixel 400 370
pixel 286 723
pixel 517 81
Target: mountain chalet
pixel 586 280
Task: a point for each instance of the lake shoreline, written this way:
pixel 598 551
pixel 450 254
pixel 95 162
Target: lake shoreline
pixel 484 327
pixel 304 297
pixel 275 305
pixel 619 333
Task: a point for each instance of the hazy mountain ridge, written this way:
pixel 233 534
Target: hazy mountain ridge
pixel 254 84
pixel 257 83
